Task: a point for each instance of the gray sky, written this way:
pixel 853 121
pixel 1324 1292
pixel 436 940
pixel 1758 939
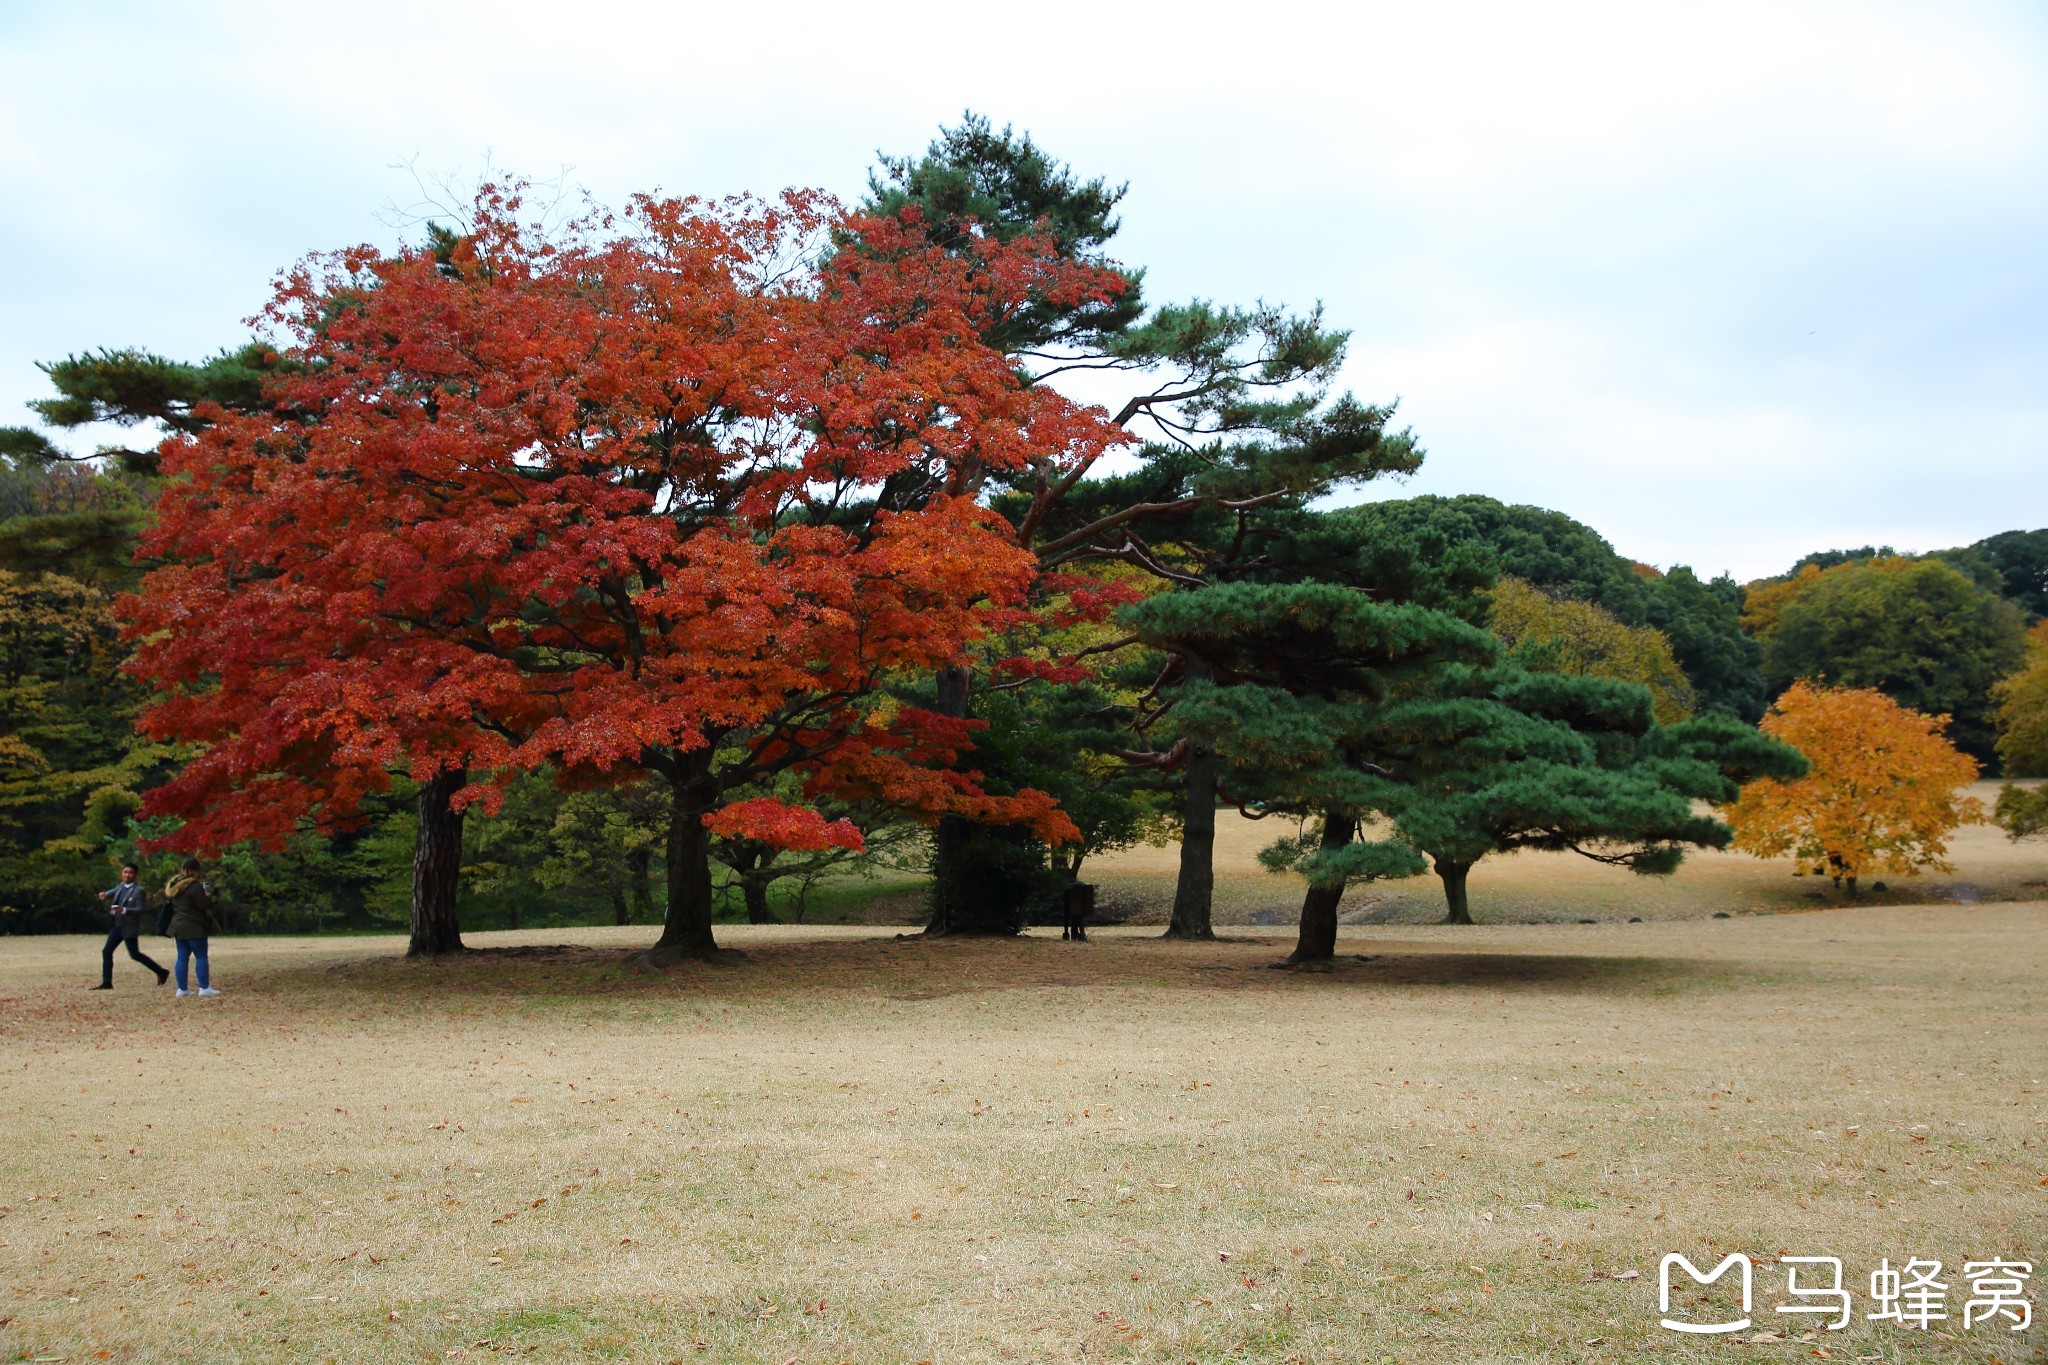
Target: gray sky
pixel 1729 282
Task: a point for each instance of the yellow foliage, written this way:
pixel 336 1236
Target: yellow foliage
pixel 1585 640
pixel 2022 711
pixel 1882 793
pixel 1764 603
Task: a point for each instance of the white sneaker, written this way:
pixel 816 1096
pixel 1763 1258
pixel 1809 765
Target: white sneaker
pixel 208 990
pixel 183 992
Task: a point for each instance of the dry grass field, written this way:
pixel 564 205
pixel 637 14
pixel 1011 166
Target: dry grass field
pixel 1460 1148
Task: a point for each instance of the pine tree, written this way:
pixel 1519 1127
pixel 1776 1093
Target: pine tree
pixel 1231 420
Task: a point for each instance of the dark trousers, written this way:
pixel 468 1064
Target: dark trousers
pixel 115 938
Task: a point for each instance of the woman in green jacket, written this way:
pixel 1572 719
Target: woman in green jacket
pixel 192 920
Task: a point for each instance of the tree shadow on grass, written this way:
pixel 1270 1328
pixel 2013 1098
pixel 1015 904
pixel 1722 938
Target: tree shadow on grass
pixel 913 971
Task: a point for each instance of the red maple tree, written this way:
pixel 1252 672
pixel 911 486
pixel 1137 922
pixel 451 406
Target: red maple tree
pixel 679 494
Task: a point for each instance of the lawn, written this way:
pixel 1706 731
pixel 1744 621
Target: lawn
pixel 1463 1145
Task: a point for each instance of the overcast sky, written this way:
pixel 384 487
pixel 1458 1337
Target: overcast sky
pixel 1729 282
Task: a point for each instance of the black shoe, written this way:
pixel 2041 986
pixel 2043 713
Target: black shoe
pixel 162 976
pixel 104 986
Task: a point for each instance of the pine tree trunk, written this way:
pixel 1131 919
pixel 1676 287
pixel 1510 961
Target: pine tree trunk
pixel 1317 939
pixel 959 849
pixel 437 867
pixel 1453 877
pixel 638 865
pixel 756 892
pixel 686 931
pixel 619 911
pixel 1194 893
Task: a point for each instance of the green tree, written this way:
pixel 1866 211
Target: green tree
pixel 2022 813
pixel 1230 411
pixel 70 762
pixel 1568 560
pixel 1271 677
pixel 1287 676
pixel 1550 550
pixel 607 840
pixel 1703 622
pixel 1559 635
pixel 1917 630
pixel 2021 559
pixel 2022 711
pixel 1504 759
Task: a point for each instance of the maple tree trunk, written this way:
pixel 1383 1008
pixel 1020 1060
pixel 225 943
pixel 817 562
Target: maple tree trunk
pixel 436 867
pixel 1317 938
pixel 756 893
pixel 1194 892
pixel 1453 877
pixel 686 931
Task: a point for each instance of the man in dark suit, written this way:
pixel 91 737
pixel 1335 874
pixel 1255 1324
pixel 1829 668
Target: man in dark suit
pixel 126 902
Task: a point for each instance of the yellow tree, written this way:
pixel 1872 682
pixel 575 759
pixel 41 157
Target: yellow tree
pixel 2022 716
pixel 1564 635
pixel 2022 711
pixel 1882 794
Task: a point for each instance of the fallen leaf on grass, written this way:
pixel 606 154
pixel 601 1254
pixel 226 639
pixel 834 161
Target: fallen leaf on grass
pixel 1596 1341
pixel 1625 1275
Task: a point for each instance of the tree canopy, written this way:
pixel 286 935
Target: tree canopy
pixel 648 500
pixel 1559 635
pixel 1915 629
pixel 1881 795
pixel 2022 711
pixel 1569 561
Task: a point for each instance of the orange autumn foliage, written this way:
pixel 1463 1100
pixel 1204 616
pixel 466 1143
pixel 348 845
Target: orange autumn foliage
pixel 1881 795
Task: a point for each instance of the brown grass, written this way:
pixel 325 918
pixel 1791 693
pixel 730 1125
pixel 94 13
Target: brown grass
pixel 856 1149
